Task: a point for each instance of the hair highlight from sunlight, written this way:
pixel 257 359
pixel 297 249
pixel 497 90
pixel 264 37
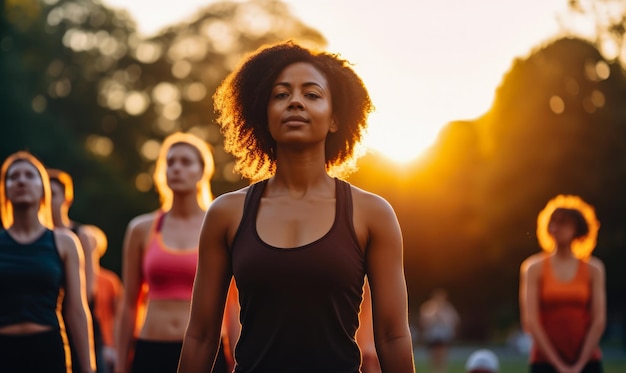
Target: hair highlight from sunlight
pixel 583 247
pixel 44 213
pixel 204 194
pixel 68 189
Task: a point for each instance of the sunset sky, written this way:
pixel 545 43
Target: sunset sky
pixel 426 63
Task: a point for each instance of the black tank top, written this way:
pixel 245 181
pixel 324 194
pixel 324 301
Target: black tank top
pixel 299 306
pixel 31 276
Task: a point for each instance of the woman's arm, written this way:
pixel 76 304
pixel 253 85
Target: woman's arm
pixel 598 312
pixel 132 279
pixel 213 277
pixel 530 272
pixel 76 311
pixel 378 228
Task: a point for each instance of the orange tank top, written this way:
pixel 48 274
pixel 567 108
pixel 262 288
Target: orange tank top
pixel 169 272
pixel 106 302
pixel 564 309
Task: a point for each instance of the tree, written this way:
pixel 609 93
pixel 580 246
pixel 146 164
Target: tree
pixel 607 21
pixel 82 91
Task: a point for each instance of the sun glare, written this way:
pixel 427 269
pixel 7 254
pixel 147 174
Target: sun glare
pixel 397 139
pixel 425 64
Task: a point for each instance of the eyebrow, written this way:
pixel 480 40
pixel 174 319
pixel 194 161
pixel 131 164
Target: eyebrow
pixel 307 84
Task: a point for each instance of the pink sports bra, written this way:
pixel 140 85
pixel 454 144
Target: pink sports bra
pixel 169 272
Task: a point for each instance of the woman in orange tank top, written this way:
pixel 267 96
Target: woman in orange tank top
pixel 562 292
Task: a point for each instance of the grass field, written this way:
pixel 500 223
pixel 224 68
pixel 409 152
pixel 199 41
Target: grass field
pixel 510 362
pixel 518 367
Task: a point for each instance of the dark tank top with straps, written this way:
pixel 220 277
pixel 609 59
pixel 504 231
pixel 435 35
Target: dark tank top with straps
pixel 31 276
pixel 299 306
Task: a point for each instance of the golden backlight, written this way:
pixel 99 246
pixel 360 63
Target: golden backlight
pixel 425 63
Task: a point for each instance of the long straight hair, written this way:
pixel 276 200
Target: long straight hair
pixel 204 195
pixel 44 213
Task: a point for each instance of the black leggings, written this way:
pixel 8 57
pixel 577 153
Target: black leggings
pixel 590 367
pixel 33 353
pixel 153 356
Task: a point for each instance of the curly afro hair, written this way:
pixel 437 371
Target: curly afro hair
pixel 241 106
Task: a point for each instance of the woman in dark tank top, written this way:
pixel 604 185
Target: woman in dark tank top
pixel 37 261
pixel 300 242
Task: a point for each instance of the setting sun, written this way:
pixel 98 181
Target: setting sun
pixel 425 63
pixel 397 138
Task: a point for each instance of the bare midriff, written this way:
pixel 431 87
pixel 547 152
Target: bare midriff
pixel 24 328
pixel 166 320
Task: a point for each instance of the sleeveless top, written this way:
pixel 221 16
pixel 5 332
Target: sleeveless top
pixel 105 304
pixel 169 272
pixel 31 277
pixel 564 309
pixel 299 306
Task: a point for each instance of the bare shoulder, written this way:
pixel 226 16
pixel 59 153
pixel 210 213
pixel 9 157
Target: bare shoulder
pixel 596 265
pixel 65 240
pixel 224 215
pixel 533 263
pixel 142 223
pixel 229 202
pixel 369 202
pixel 90 230
pixel 64 236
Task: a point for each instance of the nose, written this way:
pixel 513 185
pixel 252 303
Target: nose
pixel 20 179
pixel 296 102
pixel 174 167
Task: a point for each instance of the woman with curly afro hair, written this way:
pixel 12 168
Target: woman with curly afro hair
pixel 300 242
pixel 562 290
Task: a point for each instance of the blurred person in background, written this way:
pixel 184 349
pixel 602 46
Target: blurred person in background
pixel 161 251
pixel 42 284
pixel 62 188
pixel 107 302
pixel 562 290
pixel 439 321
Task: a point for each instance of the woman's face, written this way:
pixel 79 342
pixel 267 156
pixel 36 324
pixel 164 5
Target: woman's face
pixel 562 227
pixel 58 195
pixel 300 107
pixel 184 168
pixel 23 184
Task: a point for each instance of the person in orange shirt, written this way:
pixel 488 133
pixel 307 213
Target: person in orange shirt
pixel 107 300
pixel 562 290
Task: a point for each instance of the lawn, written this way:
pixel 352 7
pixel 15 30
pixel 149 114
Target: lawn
pixel 510 362
pixel 518 367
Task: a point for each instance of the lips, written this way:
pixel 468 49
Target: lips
pixel 296 118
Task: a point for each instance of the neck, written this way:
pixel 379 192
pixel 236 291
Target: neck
pixel 25 221
pixel 60 220
pixel 563 251
pixel 185 205
pixel 300 170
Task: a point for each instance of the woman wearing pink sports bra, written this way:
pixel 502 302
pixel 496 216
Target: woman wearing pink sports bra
pixel 161 251
pixel 562 295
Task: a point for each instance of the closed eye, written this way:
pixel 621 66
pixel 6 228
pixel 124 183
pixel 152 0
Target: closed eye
pixel 313 95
